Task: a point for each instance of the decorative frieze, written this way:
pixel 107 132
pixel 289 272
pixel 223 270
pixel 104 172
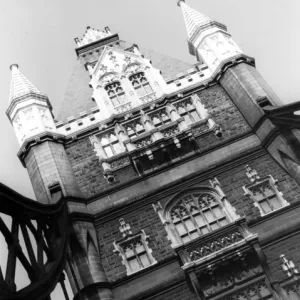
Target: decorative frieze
pixel 216 245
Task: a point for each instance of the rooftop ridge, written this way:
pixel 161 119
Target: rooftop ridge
pixel 91 35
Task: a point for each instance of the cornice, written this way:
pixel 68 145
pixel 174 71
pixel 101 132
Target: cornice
pixel 38 139
pixel 24 98
pixel 97 44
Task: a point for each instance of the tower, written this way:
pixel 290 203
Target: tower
pixel 41 149
pixel 182 181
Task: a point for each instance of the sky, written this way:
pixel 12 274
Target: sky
pixel 39 36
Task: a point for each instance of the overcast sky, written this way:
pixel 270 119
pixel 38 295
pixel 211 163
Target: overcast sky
pixel 39 36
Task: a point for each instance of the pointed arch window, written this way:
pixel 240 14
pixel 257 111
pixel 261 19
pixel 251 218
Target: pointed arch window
pixel 116 93
pixel 141 84
pixel 197 214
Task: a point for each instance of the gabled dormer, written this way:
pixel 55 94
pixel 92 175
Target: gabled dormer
pixel 123 80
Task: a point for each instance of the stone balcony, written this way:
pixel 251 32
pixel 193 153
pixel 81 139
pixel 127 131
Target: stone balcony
pixel 211 251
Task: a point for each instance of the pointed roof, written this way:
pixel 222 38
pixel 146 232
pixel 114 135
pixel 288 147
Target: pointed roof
pixel 192 18
pixel 78 95
pixel 20 85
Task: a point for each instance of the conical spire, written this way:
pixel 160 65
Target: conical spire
pixel 20 85
pixel 192 18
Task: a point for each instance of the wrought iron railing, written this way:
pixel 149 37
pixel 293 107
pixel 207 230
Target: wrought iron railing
pixel 36 239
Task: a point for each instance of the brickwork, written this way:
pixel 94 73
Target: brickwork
pixel 290 247
pixel 232 183
pixel 181 292
pixel 89 172
pixel 224 112
pixel 144 218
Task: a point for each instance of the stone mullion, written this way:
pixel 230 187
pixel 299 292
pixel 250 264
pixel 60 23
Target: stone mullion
pixel 207 223
pixel 145 249
pixel 215 217
pixel 195 222
pixel 136 255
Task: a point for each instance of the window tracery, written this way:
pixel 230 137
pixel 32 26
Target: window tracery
pixel 141 84
pixel 197 214
pixel 110 144
pixel 160 118
pixel 134 249
pixel 264 192
pixel 116 93
pixel 134 128
pixel 188 111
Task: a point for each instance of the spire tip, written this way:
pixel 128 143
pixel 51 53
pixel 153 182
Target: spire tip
pixel 14 66
pixel 179 2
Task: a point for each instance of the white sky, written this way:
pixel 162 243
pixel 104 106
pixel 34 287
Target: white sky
pixel 39 36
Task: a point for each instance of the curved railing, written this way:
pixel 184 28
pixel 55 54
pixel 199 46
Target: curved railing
pixel 36 238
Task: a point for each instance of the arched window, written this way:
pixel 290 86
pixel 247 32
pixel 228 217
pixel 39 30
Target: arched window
pixel 141 84
pixel 196 214
pixel 116 93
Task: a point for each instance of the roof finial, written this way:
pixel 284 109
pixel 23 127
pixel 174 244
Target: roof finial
pixel 14 66
pixel 179 2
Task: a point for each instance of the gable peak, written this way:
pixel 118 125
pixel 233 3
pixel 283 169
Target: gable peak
pixel 92 35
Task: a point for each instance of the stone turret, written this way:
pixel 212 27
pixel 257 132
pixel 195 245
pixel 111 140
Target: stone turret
pixel 29 110
pixel 41 147
pixel 208 40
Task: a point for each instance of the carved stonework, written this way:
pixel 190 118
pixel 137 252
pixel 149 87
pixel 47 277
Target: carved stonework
pixel 264 192
pixel 133 248
pixel 257 290
pixel 216 245
pixel 92 35
pixel 293 290
pixel 226 279
pixel 120 163
pixel 170 131
pixel 144 142
pixel 124 107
